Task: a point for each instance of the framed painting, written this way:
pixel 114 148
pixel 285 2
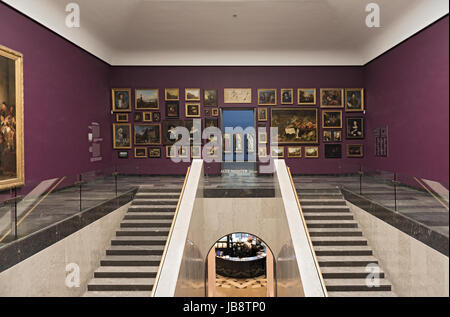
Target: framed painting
pixel 12 169
pixel 333 151
pixel 147 99
pixel 137 117
pixel 121 117
pixel 237 95
pixel 140 152
pixel 147 134
pixel 196 151
pixel 262 151
pixel 287 96
pixel 331 119
pixel 156 116
pixel 354 99
pixel 294 152
pixel 262 114
pixel 311 152
pixel 212 151
pixel 121 99
pixel 210 98
pixel 227 143
pixel 192 94
pixel 171 151
pixel 211 122
pixel 194 133
pixel 193 110
pixel 267 97
pixel 154 152
pixel 331 98
pixel 262 137
pixel 147 116
pixel 207 112
pixel 215 112
pixel 337 136
pixel 306 96
pixel 354 127
pixel 121 136
pixel 122 154
pixel 355 150
pixel 172 109
pixel 168 131
pixel 277 151
pixel 171 94
pixel 327 136
pixel 295 125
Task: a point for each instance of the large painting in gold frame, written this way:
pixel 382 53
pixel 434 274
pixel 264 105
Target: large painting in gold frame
pixel 12 169
pixel 295 125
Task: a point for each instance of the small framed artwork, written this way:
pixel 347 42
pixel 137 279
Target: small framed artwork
pixel 210 98
pixel 337 136
pixel 121 117
pixel 147 99
pixel 183 152
pixel 137 117
pixel 121 135
pixel 193 110
pixel 332 119
pixel 212 151
pixel 237 95
pixel 262 137
pixel 333 151
pixel 211 123
pixel 156 116
pixel 195 133
pixel 238 143
pixel 354 128
pixel 262 151
pixel 172 109
pixel 140 152
pixel 192 94
pixel 196 151
pixel 331 98
pixel 171 151
pixel 327 136
pixel 215 112
pixel 277 151
pixel 262 114
pixel 147 134
pixel 227 143
pixel 122 154
pixel 287 96
pixel 172 94
pixel 354 99
pixel 355 150
pixel 147 116
pixel 311 151
pixel 207 112
pixel 168 131
pixel 294 151
pixel 121 99
pixel 154 152
pixel 306 96
pixel 267 97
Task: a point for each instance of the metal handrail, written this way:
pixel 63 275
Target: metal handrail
pixel 313 252
pixel 163 258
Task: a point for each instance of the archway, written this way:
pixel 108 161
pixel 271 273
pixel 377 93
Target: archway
pixel 240 264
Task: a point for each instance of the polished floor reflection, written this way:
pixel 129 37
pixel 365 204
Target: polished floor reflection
pixel 248 287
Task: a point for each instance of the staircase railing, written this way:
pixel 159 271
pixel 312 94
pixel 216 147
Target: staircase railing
pixel 163 258
pixel 316 262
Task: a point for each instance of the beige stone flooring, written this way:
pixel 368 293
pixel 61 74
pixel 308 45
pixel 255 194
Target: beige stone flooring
pixel 234 287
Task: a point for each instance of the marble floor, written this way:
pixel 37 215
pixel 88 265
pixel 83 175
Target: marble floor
pixel 233 287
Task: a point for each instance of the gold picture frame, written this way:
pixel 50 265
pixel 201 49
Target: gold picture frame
pixel 290 92
pixel 262 151
pixel 192 94
pixel 15 175
pixel 142 152
pixel 237 95
pixel 332 119
pixel 331 98
pixel 215 112
pixel 121 117
pixel 262 114
pixel 308 99
pixel 121 139
pixel 355 150
pixel 147 116
pixel 117 103
pixel 143 134
pixel 196 151
pixel 193 110
pixel 355 102
pixel 311 152
pixel 280 151
pixel 172 94
pixel 146 99
pixel 294 151
pixel 267 96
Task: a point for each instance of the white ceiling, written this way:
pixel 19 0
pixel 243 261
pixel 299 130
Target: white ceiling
pixel 264 32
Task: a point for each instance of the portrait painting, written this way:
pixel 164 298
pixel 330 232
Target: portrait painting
pixel 147 134
pixel 311 151
pixel 11 115
pixel 354 99
pixel 337 136
pixel 237 95
pixel 295 125
pixel 355 127
pixel 306 96
pixel 331 98
pixel 196 151
pixel 210 97
pixel 122 117
pixel 193 110
pixel 333 151
pixel 327 136
pixel 331 119
pixel 267 97
pixel 262 114
pixel 156 116
pixel 168 131
pixel 121 100
pixel 147 99
pixel 355 150
pixel 287 96
pixel 294 152
pixel 122 136
pixel 192 94
pixel 277 151
pixel 207 112
pixel 140 152
pixel 154 152
pixel 137 116
pixel 211 122
pixel 172 94
pixel 147 116
pixel 215 112
pixel 172 109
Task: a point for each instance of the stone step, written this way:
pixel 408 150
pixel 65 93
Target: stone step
pixel 135 250
pixel 159 189
pixel 154 201
pixel 126 272
pixel 338 241
pixel 347 272
pixel 329 216
pixel 326 209
pixel 357 285
pixel 149 215
pixel 150 208
pixel 335 232
pixel 142 232
pixel 361 294
pixel 343 250
pixel 145 223
pixel 157 195
pixel 331 224
pixel 121 284
pixel 131 260
pixel 317 190
pixel 319 196
pixel 346 260
pixel 155 240
pixel 323 202
pixel 117 294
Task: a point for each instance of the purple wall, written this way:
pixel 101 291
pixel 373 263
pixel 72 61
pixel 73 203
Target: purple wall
pixel 232 77
pixel 407 90
pixel 65 89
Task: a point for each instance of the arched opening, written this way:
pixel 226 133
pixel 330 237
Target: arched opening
pixel 240 265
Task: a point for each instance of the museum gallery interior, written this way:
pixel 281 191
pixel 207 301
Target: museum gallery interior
pixel 215 148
